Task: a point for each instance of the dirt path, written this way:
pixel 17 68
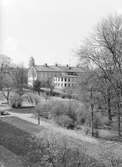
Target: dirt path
pixel 94 147
pixel 93 143
pixel 55 128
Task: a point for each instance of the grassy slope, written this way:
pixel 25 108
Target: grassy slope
pixel 9 159
pixel 22 130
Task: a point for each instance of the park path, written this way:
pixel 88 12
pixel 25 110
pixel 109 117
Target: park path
pixel 93 145
pixel 55 128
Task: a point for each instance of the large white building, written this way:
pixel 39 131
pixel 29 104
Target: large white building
pixel 62 76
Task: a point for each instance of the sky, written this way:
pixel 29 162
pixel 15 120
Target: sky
pixel 50 30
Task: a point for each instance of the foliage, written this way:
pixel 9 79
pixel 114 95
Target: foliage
pixel 100 121
pixel 6 81
pixel 37 86
pixel 103 53
pixel 16 101
pixel 20 79
pixel 66 113
pixel 49 152
pixel 65 121
pixel 43 108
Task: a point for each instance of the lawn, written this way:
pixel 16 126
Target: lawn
pixel 9 159
pixel 16 134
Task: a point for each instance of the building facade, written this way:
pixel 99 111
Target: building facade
pixel 62 76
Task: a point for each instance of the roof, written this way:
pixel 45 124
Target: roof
pixel 53 68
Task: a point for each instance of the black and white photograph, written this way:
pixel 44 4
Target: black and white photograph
pixel 60 83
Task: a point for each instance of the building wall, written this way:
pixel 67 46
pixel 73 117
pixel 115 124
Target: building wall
pixel 62 82
pixel 45 75
pixel 61 78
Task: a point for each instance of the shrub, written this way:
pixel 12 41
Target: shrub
pixel 70 110
pixel 82 115
pixel 100 120
pixel 16 101
pixel 43 108
pixel 59 108
pixel 65 121
pixel 46 152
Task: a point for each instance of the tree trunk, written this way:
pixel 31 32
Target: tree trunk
pixel 92 114
pixel 109 109
pixel 118 108
pixel 92 122
pixel 38 119
pixel 109 105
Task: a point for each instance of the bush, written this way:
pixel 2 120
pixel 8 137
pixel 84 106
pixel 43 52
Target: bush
pixel 67 113
pixel 100 120
pixel 59 108
pixel 43 109
pixel 16 101
pixel 72 110
pixel 46 152
pixel 65 121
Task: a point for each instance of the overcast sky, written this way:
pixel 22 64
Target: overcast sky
pixel 50 30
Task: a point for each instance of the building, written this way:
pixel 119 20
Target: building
pixel 62 76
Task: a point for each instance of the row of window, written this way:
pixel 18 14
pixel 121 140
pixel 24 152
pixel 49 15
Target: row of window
pixel 64 79
pixel 64 85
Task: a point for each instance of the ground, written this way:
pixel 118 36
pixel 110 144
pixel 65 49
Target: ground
pixel 20 125
pixel 24 124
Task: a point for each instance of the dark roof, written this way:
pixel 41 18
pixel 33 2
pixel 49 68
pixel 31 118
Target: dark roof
pixel 57 68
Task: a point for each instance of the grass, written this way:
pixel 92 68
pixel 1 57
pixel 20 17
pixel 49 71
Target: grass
pixel 9 159
pixel 15 135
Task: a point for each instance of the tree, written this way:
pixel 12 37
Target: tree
pixel 50 85
pixel 20 79
pixel 6 81
pixel 7 85
pixel 4 65
pixel 37 86
pixel 103 50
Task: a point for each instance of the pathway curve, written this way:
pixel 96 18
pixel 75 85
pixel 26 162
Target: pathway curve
pixel 55 128
pixel 94 147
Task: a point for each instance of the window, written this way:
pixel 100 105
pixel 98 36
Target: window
pixel 69 79
pixel 62 79
pixel 65 79
pixel 65 85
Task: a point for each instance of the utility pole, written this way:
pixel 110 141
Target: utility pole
pixel 92 109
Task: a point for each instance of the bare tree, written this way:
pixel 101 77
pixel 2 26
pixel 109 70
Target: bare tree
pixel 103 50
pixel 20 79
